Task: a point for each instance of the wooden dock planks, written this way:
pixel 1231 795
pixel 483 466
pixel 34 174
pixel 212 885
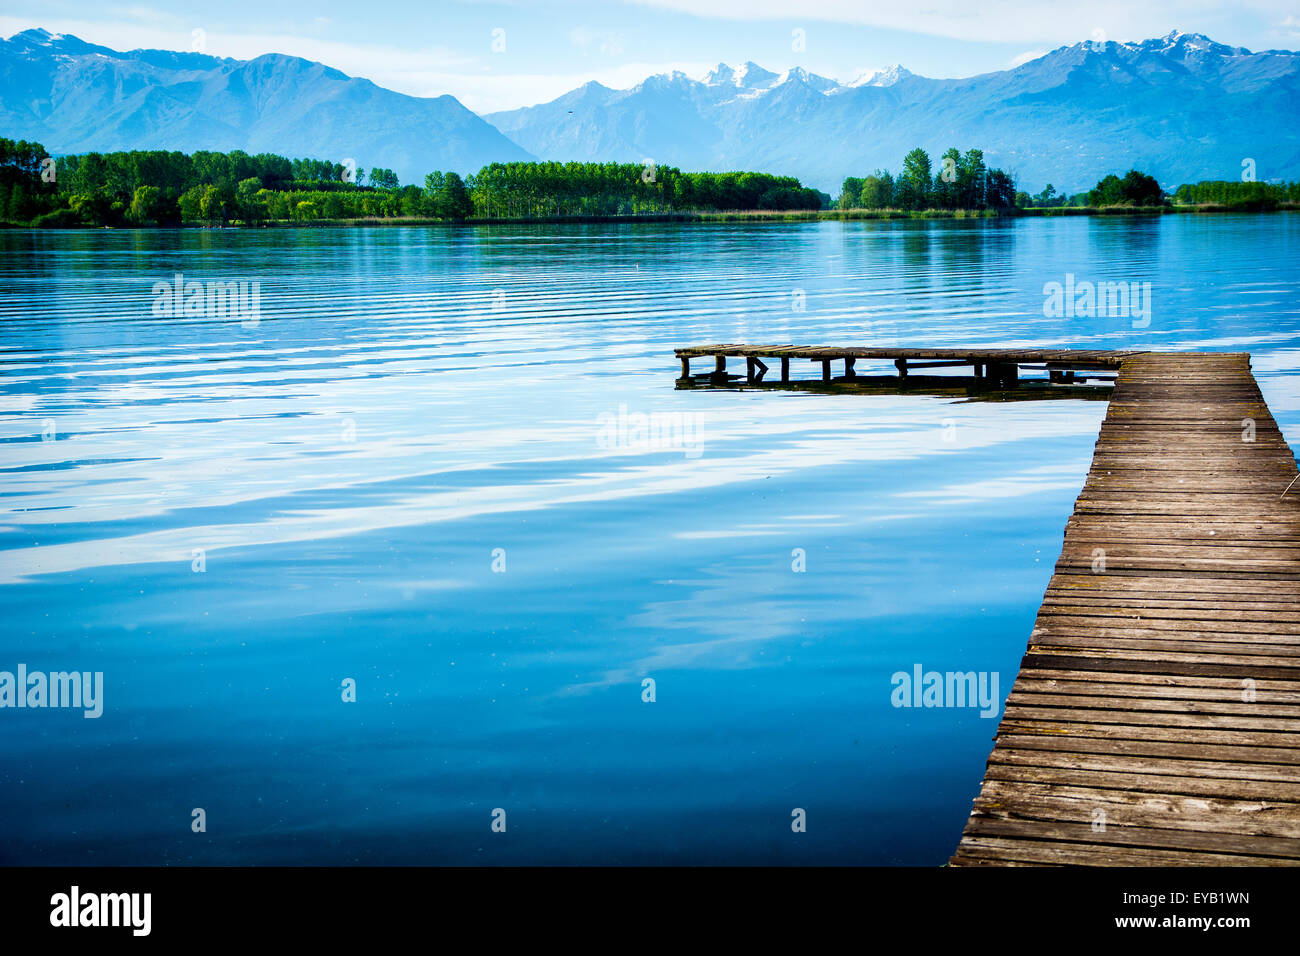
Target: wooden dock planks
pixel 1155 719
pixel 1102 358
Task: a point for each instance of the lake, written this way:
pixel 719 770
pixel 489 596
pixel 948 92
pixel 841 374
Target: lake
pixel 390 559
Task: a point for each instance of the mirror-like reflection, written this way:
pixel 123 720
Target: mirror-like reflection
pixel 450 466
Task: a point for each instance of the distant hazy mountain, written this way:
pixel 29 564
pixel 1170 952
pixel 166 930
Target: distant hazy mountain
pixel 1181 107
pixel 72 96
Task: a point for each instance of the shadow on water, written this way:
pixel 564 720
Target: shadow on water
pixel 966 388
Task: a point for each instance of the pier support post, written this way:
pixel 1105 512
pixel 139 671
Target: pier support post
pixel 848 368
pixel 686 367
pixel 826 370
pixel 901 365
pixel 785 369
pixel 719 376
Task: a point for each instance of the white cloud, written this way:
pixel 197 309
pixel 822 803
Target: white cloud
pixel 491 92
pixel 355 59
pixel 603 41
pixel 477 79
pixel 144 14
pixel 993 21
pixel 1025 57
pixel 430 72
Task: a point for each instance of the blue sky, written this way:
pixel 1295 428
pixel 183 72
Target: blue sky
pixel 548 48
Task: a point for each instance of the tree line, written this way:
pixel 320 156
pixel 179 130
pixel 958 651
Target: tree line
pixel 1245 195
pixel 607 189
pixel 961 181
pixel 1136 188
pixel 155 187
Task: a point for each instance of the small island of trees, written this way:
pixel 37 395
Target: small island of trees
pixel 962 182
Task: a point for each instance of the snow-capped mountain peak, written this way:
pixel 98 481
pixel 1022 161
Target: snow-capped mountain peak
pixel 72 96
pixel 886 77
pixel 720 75
pixel 751 76
pixel 1177 43
pixel 748 117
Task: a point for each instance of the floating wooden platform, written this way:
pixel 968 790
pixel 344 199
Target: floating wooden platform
pixel 999 366
pixel 1155 719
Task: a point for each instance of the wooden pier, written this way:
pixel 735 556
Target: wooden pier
pixel 998 367
pixel 1155 719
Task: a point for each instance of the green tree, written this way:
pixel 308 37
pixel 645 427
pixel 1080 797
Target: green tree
pixel 1135 189
pixel 434 183
pixel 912 189
pixel 249 201
pixel 148 206
pixel 96 208
pixel 188 203
pixel 454 200
pixel 333 207
pixel 1141 189
pixel 212 204
pixel 1242 195
pixel 1000 190
pixel 947 185
pixel 851 193
pixel 447 196
pixel 26 186
pixel 878 190
pixel 972 180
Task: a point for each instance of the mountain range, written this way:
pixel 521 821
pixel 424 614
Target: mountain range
pixel 72 96
pixel 1181 107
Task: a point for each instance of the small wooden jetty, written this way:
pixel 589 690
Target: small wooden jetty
pixel 998 367
pixel 1155 719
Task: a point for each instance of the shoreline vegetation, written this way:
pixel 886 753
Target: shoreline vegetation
pixel 144 189
pixel 754 216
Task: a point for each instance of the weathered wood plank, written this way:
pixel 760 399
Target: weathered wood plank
pixel 1135 808
pixel 1111 835
pixel 1019 723
pixel 1075 854
pixel 1161 682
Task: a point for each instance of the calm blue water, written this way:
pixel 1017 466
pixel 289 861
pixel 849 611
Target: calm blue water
pixel 416 406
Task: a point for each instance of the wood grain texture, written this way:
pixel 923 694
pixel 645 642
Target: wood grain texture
pixel 1077 358
pixel 1155 719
